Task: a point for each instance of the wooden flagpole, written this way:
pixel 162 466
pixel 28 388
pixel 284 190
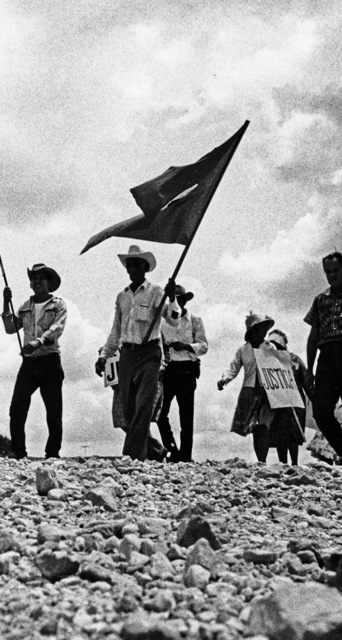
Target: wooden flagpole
pixel 12 309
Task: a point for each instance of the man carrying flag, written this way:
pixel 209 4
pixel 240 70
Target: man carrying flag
pixel 173 206
pixel 140 359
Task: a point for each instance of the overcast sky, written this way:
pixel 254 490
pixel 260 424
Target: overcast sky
pixel 97 97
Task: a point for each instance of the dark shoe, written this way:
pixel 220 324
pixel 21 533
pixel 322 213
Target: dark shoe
pixel 16 456
pixel 172 455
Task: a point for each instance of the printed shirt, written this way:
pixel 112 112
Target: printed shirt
pixel 134 312
pixel 189 329
pixel 245 358
pixel 48 328
pixel 326 315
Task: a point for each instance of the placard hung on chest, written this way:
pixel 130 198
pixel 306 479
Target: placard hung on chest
pixel 276 376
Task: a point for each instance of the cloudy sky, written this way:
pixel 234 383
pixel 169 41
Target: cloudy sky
pixel 97 97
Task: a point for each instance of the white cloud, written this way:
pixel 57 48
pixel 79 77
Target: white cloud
pixel 288 252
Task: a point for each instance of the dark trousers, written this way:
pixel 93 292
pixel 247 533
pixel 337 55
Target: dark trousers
pixel 328 390
pixel 179 380
pixel 261 441
pixel 46 374
pixel 139 371
pixel 283 449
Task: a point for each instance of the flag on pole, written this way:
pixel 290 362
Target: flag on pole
pixel 174 203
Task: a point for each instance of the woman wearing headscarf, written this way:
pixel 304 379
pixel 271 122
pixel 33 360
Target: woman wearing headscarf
pixel 285 434
pixel 253 413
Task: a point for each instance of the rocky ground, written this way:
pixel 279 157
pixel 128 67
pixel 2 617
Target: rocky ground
pixel 110 548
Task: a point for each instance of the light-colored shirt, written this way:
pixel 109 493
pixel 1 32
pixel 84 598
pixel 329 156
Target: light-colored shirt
pixel 245 358
pixel 134 312
pixel 190 330
pixel 48 328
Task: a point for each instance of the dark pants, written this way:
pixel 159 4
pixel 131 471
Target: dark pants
pixel 328 390
pixel 261 441
pixel 46 374
pixel 139 371
pixel 179 379
pixel 283 449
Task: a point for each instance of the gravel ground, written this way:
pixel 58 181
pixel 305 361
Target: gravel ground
pixel 110 548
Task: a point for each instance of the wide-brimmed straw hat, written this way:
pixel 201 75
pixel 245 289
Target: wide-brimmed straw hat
pixel 254 319
pixel 135 252
pixel 52 275
pixel 180 291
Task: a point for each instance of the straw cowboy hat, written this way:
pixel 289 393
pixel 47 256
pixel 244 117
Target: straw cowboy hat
pixel 52 275
pixel 254 319
pixel 180 291
pixel 135 252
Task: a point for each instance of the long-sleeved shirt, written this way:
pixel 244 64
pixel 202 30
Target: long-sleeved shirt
pixel 134 311
pixel 245 358
pixel 190 330
pixel 48 329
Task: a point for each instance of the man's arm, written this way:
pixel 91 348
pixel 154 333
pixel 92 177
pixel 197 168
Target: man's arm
pixel 11 323
pixel 311 352
pixel 112 344
pixel 57 327
pixel 233 370
pixel 199 344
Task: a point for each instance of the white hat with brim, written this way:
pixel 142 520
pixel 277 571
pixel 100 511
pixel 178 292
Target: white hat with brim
pixel 254 319
pixel 52 275
pixel 135 252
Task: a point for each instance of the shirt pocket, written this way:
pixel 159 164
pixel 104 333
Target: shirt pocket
pixel 26 318
pixel 143 312
pixel 47 319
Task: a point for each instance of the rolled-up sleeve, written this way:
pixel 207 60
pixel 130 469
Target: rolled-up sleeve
pixel 312 317
pixel 10 324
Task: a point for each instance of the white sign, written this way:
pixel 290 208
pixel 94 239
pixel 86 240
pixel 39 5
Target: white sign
pixel 276 376
pixel 111 377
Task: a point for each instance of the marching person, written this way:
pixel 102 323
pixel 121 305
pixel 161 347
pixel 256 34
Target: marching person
pixel 184 343
pixel 140 360
pixel 285 434
pixel 43 319
pixel 253 413
pixel 325 319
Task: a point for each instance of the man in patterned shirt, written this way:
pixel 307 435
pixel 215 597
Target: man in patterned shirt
pixel 325 318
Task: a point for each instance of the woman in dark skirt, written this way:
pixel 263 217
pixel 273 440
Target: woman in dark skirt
pixel 285 434
pixel 253 413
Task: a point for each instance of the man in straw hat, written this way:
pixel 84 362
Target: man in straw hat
pixel 43 319
pixel 185 342
pixel 140 360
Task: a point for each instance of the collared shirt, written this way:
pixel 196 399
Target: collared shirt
pixel 134 312
pixel 326 315
pixel 48 329
pixel 189 329
pixel 245 358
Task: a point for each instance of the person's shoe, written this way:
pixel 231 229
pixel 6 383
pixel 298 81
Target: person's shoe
pixel 16 456
pixel 172 454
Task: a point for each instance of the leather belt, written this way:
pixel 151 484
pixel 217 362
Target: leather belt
pixel 133 346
